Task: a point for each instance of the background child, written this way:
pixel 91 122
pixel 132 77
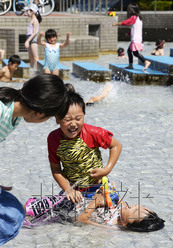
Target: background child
pixel 92 99
pixel 40 98
pixel 158 51
pixel 51 63
pixel 121 53
pixel 135 20
pixel 76 145
pixel 31 34
pixel 6 73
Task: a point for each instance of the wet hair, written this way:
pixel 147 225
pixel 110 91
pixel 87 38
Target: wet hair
pixel 14 59
pixel 133 9
pixel 70 87
pixel 120 51
pixel 159 44
pixel 75 98
pixel 44 93
pixel 150 223
pixel 50 33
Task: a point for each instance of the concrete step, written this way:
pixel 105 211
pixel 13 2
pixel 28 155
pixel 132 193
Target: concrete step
pixel 91 71
pixel 64 72
pixel 137 76
pixel 23 70
pixel 160 63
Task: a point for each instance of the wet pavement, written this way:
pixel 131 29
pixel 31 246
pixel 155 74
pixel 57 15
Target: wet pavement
pixel 141 118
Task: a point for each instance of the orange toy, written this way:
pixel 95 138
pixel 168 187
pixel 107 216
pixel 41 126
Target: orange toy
pixel 106 191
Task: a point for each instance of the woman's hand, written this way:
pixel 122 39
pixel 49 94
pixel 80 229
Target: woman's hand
pixel 98 173
pixel 74 195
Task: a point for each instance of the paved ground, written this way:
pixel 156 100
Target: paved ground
pixel 141 119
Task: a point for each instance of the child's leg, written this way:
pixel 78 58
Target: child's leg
pixel 33 55
pixel 56 72
pixel 130 55
pixel 103 94
pixel 46 70
pixel 2 53
pixel 139 56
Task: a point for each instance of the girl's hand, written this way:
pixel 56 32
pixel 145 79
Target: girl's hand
pixel 98 173
pixel 42 33
pixel 114 24
pixel 68 34
pixel 74 195
pixel 27 44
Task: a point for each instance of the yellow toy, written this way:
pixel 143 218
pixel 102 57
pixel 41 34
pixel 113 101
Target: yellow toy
pixel 105 187
pixel 112 13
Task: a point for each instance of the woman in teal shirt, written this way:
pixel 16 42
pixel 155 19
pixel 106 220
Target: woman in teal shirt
pixel 40 98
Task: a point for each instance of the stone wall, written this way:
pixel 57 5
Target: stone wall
pixel 89 34
pixel 156 25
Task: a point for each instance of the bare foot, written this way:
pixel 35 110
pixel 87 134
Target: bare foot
pixel 147 64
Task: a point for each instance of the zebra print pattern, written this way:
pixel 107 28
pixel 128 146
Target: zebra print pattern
pixel 78 159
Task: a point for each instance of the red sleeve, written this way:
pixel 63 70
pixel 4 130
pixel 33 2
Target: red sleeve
pixel 96 136
pixel 130 21
pixel 53 142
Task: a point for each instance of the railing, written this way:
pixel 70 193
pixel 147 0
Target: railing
pixel 103 6
pixel 84 6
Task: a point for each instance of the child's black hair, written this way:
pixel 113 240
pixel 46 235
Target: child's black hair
pixel 159 43
pixel 50 33
pixel 152 222
pixel 120 51
pixel 14 59
pixel 76 98
pixel 45 93
pixel 70 87
pixel 133 9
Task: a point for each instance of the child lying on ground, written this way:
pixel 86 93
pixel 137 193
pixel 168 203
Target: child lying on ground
pixel 59 209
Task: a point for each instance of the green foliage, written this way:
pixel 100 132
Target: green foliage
pixel 150 5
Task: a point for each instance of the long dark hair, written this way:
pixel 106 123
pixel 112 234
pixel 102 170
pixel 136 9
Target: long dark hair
pixel 152 222
pixel 45 93
pixel 133 9
pixel 39 18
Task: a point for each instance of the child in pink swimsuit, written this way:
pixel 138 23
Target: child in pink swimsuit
pixel 135 20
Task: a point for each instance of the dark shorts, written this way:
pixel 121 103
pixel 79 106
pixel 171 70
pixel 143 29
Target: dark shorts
pixel 34 40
